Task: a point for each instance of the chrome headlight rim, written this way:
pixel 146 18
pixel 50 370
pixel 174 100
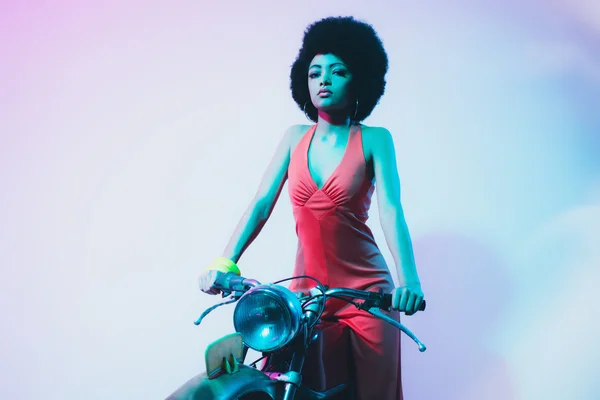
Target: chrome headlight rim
pixel 287 301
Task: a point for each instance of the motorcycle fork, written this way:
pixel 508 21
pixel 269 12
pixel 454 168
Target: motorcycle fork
pixel 293 378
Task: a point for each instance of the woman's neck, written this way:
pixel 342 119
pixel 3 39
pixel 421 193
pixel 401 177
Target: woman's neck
pixel 327 123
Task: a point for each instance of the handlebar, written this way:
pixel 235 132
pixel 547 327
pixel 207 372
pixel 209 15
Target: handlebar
pixel 373 302
pixel 372 299
pixel 230 282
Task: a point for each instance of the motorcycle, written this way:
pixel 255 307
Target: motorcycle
pixel 295 343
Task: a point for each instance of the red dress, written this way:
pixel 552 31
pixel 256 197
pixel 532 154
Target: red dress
pixel 337 247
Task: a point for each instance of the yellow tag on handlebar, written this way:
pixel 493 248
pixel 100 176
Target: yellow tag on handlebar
pixel 224 265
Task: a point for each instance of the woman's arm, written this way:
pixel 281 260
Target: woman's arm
pixel 409 295
pixel 262 204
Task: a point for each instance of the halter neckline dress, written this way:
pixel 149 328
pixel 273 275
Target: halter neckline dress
pixel 336 246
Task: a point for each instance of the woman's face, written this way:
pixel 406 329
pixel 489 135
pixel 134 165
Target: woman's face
pixel 329 83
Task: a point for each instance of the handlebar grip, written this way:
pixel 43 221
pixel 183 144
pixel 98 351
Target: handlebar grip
pixel 386 304
pixel 229 281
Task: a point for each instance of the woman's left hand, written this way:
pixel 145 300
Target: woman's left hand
pixel 407 298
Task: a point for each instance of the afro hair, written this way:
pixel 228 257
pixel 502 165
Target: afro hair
pixel 358 45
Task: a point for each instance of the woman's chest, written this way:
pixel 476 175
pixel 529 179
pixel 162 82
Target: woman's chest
pixel 329 163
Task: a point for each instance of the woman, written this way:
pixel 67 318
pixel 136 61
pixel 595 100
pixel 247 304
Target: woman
pixel 332 166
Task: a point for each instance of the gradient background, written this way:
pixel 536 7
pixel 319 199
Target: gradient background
pixel 134 134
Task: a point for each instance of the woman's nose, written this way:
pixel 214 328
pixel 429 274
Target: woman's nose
pixel 325 81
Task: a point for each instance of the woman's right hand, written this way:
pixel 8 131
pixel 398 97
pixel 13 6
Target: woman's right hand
pixel 207 280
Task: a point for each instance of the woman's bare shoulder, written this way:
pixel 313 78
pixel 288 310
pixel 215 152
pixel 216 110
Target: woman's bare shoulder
pixel 375 131
pixel 375 136
pixel 295 133
pixel 298 130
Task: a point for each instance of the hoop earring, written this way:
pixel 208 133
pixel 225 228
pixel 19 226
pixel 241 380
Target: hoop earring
pixel 305 113
pixel 355 111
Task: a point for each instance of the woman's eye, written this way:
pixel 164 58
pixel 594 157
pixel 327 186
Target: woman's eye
pixel 340 72
pixel 313 75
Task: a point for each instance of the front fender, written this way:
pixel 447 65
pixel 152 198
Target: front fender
pixel 227 387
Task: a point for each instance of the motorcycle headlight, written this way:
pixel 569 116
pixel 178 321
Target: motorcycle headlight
pixel 268 317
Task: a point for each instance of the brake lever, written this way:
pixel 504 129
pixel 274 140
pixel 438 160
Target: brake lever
pixel 227 291
pixel 379 314
pixel 208 310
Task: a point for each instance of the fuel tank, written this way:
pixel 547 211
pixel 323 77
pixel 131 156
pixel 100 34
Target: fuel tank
pixel 247 383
